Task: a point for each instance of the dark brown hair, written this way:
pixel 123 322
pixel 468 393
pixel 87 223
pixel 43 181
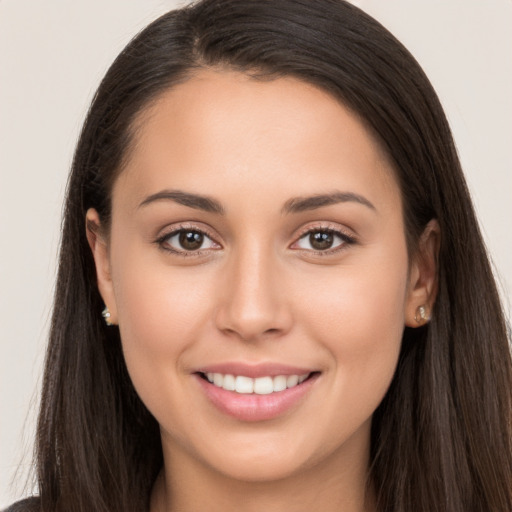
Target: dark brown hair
pixel 441 438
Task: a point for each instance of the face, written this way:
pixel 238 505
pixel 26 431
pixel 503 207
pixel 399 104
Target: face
pixel 257 241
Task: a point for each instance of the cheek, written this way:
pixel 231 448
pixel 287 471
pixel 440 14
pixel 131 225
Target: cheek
pixel 157 303
pixel 359 319
pixel 360 306
pixel 161 314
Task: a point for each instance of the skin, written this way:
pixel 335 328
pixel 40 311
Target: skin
pixel 258 291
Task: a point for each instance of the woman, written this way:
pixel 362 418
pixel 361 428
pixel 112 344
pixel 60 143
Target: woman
pixel 272 288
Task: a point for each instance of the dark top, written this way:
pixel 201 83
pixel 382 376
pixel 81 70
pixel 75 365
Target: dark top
pixel 27 505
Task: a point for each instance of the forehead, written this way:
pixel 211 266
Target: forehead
pixel 224 127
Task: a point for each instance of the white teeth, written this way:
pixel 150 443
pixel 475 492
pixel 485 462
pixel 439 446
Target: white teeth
pixel 260 385
pixel 244 384
pixel 280 383
pixel 292 380
pixel 263 386
pixel 229 383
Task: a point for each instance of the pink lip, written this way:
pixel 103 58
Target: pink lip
pixel 253 407
pixel 254 371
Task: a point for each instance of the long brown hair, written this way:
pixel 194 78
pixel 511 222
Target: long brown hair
pixel 441 438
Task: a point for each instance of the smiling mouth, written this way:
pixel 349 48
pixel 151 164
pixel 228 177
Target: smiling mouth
pixel 260 386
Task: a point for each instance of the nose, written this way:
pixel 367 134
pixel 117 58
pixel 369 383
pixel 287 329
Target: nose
pixel 254 302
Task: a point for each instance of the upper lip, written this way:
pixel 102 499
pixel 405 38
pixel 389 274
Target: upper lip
pixel 254 370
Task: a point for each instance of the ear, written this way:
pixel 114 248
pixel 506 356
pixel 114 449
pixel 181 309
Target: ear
pixel 422 285
pixel 100 253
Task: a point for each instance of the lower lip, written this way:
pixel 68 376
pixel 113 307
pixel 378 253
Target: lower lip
pixel 254 407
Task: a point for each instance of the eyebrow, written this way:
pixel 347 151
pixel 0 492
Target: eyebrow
pixel 302 204
pixel 196 201
pixel 294 205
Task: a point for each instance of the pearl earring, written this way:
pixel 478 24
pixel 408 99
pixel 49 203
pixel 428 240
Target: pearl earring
pixel 106 315
pixel 421 315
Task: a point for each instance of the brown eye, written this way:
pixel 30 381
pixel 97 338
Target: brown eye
pixel 321 240
pixel 190 240
pixel 187 241
pixel 324 240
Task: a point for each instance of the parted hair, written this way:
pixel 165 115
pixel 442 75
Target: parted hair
pixel 441 439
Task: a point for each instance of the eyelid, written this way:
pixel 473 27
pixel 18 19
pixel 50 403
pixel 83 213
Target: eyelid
pixel 173 230
pixel 325 226
pixel 346 236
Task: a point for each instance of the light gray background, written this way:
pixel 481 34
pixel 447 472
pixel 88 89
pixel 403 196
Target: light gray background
pixel 52 56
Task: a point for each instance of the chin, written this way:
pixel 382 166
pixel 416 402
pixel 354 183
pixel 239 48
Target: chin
pixel 273 468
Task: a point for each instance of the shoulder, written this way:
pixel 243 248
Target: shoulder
pixel 26 505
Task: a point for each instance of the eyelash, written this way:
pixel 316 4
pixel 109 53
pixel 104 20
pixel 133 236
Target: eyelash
pixel 161 241
pixel 346 240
